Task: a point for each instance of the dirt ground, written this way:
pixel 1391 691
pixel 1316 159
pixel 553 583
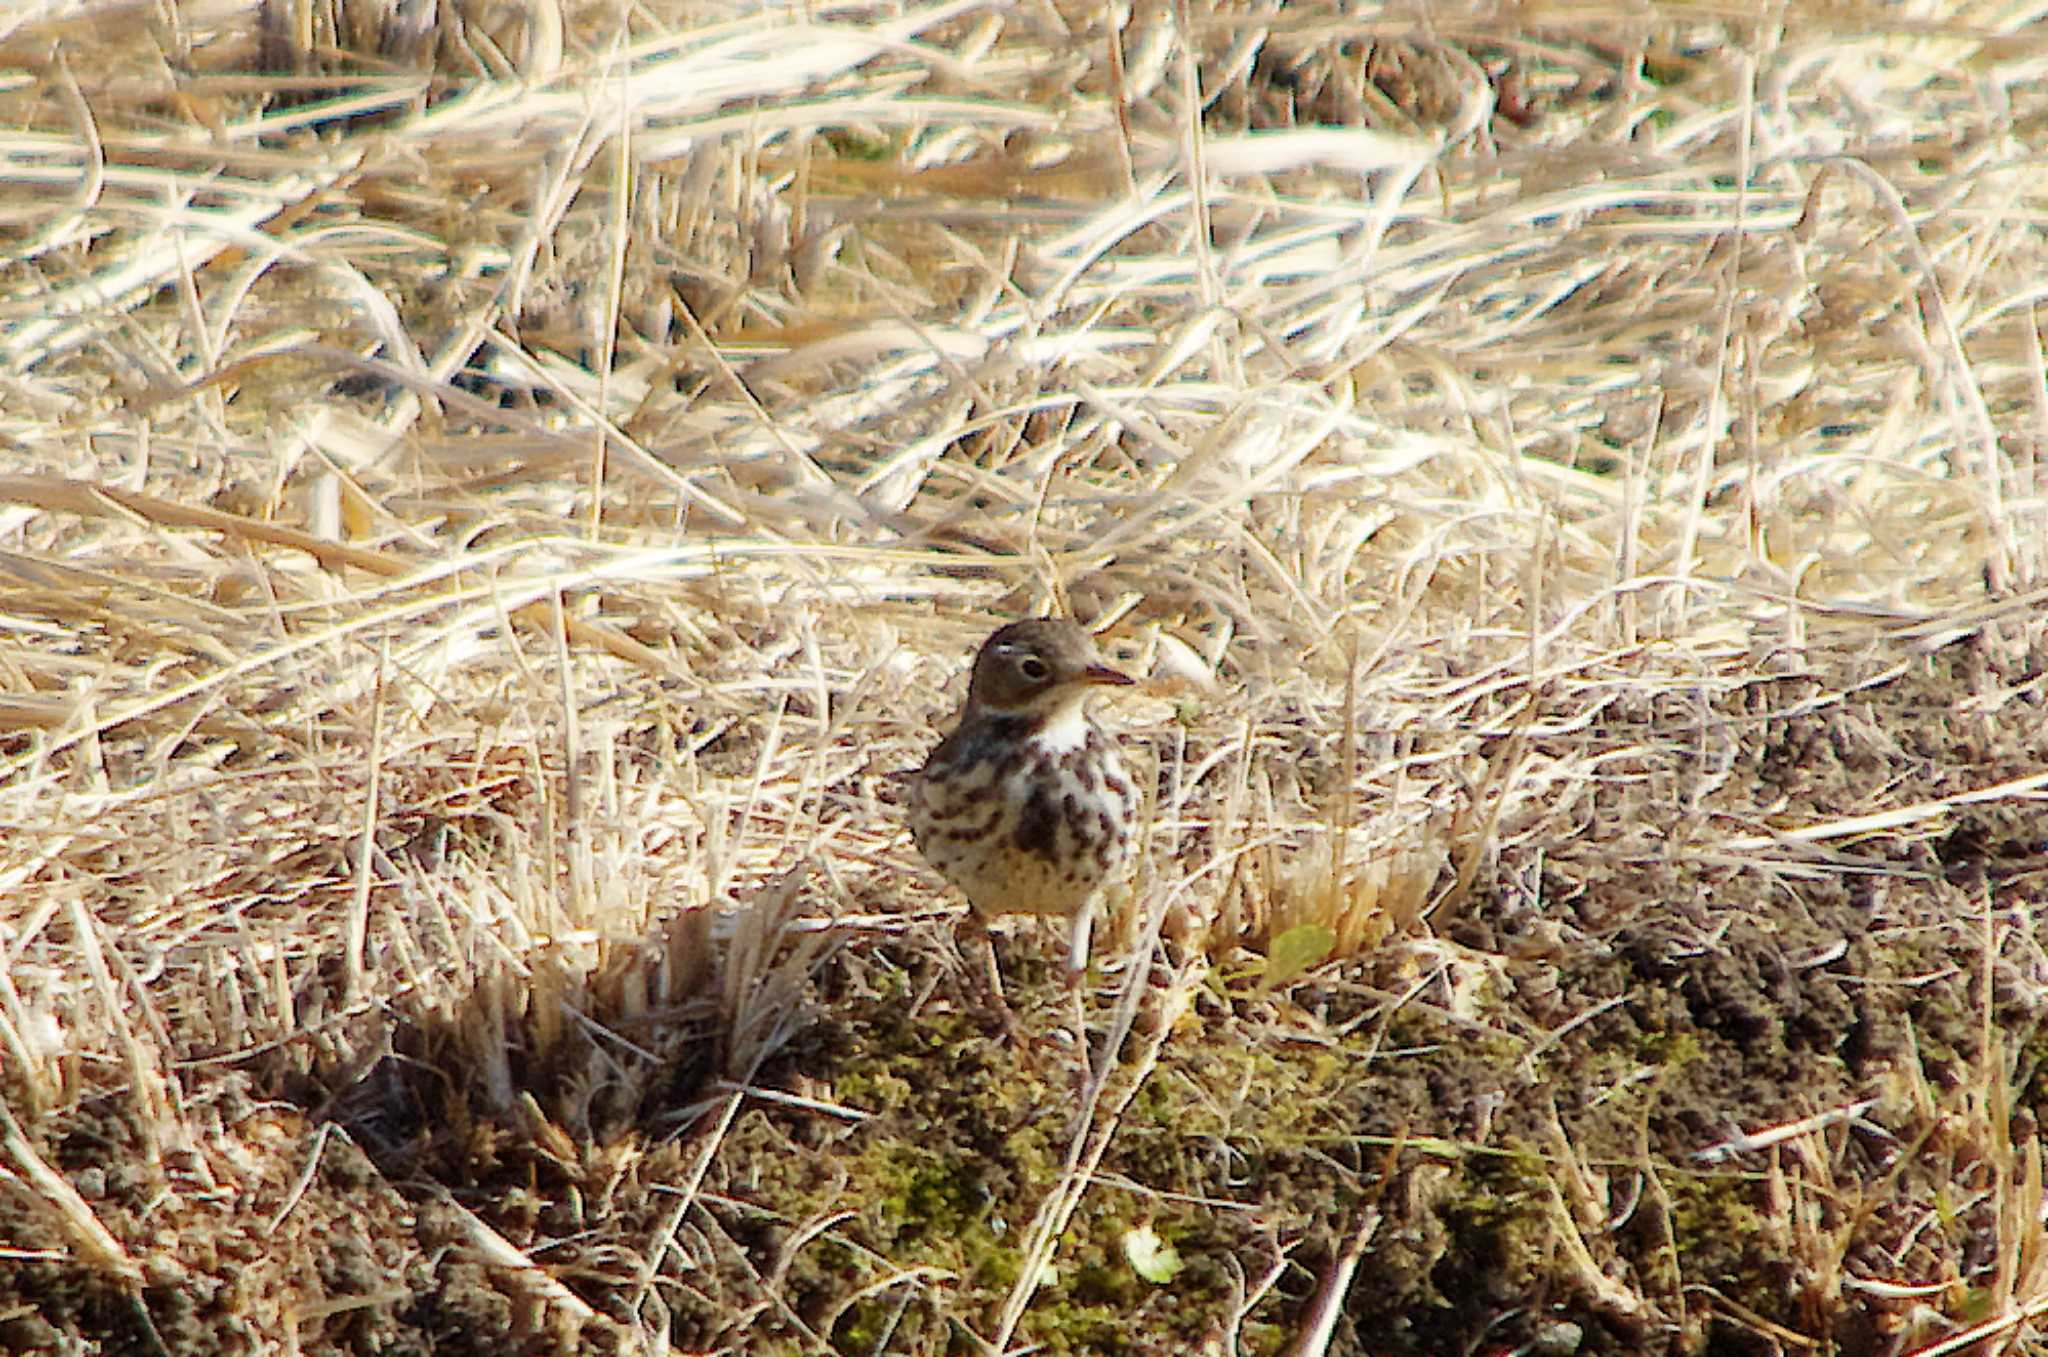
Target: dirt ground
pixel 1527 1116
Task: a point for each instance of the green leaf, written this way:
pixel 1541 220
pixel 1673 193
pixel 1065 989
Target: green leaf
pixel 1150 1256
pixel 1294 951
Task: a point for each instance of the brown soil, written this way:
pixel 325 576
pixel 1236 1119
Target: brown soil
pixel 1525 1097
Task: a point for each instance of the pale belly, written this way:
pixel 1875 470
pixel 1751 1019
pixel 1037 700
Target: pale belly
pixel 1040 836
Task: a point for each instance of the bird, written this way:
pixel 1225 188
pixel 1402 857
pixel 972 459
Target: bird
pixel 1027 807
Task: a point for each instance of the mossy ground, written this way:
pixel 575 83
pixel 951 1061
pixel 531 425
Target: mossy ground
pixel 1535 1159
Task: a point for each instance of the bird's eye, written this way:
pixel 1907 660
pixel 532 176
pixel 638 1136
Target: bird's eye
pixel 1033 668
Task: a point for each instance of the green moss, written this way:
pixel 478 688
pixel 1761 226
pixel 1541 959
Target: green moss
pixel 1502 1202
pixel 1711 1217
pixel 1670 1049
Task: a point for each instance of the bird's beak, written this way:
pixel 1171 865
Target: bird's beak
pixel 1102 674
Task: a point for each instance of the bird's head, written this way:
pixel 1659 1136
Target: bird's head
pixel 1041 667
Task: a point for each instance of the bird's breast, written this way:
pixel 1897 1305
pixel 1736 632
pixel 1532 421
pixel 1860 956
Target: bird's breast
pixel 1024 824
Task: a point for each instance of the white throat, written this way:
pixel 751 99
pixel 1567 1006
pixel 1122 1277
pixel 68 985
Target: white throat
pixel 1066 727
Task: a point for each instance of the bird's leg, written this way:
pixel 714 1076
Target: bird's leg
pixel 992 975
pixel 1079 929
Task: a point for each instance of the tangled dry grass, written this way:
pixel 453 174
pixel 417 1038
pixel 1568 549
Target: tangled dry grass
pixel 496 494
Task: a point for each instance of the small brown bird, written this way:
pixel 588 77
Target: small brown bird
pixel 1026 807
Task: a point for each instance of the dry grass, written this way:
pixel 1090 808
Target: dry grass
pixel 494 499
